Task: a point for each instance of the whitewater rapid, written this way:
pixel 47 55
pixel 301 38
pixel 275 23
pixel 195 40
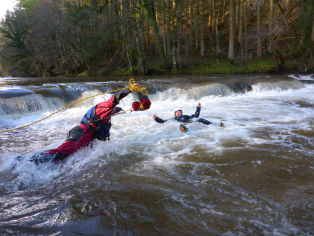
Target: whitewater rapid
pixel 237 174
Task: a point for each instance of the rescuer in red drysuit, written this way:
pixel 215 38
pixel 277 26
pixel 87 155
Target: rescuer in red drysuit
pixel 96 123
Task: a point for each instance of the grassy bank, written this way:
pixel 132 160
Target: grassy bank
pixel 197 67
pixel 207 67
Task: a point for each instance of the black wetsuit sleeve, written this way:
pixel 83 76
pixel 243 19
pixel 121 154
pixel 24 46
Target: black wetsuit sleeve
pixel 120 95
pixel 158 120
pixel 195 115
pixel 197 112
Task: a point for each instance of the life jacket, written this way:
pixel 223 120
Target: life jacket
pixel 102 112
pixel 90 116
pixel 143 103
pixel 99 118
pixel 99 128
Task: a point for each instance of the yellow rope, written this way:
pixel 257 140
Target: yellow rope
pixel 21 127
pixel 132 86
pixel 135 87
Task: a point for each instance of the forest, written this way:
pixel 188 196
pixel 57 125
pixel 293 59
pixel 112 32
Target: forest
pixel 147 37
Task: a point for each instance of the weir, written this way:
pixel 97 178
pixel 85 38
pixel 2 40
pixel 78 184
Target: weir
pixel 52 97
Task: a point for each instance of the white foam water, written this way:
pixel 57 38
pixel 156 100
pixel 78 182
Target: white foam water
pixel 203 176
pixel 243 115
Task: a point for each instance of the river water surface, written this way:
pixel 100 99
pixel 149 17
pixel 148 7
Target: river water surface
pixel 255 176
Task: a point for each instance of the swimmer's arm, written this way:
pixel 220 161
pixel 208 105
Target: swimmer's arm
pixel 158 120
pixel 198 111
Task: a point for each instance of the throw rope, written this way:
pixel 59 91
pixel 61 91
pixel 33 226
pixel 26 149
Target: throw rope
pixel 132 86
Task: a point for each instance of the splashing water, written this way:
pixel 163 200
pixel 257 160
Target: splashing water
pixel 253 177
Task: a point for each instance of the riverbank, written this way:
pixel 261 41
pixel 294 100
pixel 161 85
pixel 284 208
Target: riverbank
pixel 208 67
pixel 191 66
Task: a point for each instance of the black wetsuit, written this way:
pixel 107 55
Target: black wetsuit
pixel 187 119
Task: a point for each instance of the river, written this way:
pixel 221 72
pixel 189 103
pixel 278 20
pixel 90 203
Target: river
pixel 255 176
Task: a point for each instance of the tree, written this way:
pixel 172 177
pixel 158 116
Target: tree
pixel 312 37
pixel 202 35
pixel 241 28
pixel 231 30
pixel 151 14
pixel 14 32
pixel 270 20
pixel 258 34
pixel 216 28
pixel 67 37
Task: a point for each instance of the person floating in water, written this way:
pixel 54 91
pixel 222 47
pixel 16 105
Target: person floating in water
pixel 178 116
pixel 96 123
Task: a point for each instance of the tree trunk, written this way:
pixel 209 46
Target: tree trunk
pixel 237 12
pixel 223 10
pixel 127 48
pixel 151 14
pixel 231 29
pixel 259 40
pixel 216 28
pixel 191 24
pixel 177 32
pixel 241 22
pixel 202 30
pixel 196 27
pixel 312 36
pixel 140 46
pixel 142 33
pixel 270 23
pixel 174 34
pixel 211 20
pixel 125 37
pixel 141 57
pixel 164 27
pixel 245 30
pixel 168 29
pixel 187 26
pixel 271 16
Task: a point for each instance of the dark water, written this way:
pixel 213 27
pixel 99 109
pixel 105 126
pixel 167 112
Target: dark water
pixel 253 177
